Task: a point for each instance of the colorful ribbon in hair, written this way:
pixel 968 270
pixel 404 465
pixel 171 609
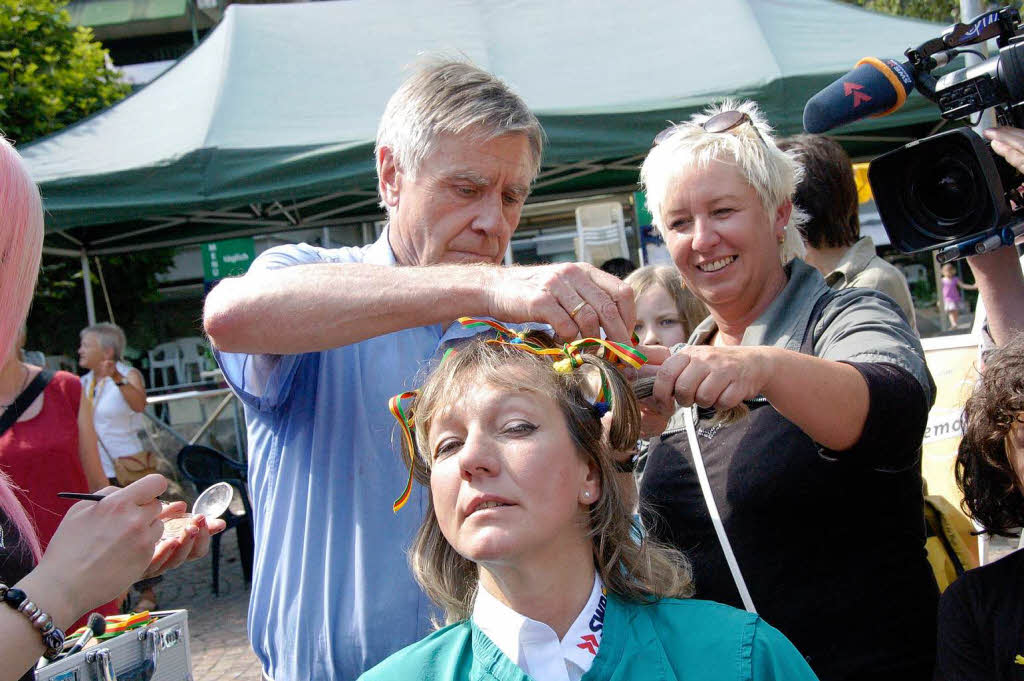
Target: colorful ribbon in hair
pixel 615 353
pixel 407 425
pixel 571 359
pixel 572 354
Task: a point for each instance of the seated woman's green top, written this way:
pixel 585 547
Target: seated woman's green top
pixel 666 640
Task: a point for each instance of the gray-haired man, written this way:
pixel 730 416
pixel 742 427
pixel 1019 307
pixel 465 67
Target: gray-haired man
pixel 315 341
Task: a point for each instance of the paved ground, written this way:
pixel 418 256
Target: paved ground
pixel 220 648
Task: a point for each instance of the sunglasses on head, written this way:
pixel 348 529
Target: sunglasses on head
pixel 720 122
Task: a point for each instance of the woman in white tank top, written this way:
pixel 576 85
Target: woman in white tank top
pixel 116 391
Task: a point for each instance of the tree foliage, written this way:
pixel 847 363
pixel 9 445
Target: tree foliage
pixel 942 11
pixel 58 309
pixel 51 72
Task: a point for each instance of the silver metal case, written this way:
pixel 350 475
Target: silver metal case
pixel 156 652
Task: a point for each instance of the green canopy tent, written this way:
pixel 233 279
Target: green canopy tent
pixel 268 124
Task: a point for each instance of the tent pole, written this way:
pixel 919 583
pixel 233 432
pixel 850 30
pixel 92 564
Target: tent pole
pixel 90 307
pixel 106 294
pixel 192 11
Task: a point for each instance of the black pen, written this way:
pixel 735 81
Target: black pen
pixel 80 496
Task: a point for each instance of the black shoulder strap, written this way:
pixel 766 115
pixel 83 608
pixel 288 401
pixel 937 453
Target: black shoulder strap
pixel 807 345
pixel 25 399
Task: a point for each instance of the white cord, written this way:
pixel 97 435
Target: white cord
pixel 716 519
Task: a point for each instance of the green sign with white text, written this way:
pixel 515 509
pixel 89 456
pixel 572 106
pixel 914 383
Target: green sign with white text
pixel 228 258
pixel 643 216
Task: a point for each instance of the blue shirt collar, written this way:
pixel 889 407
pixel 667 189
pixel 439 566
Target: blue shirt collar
pixel 379 252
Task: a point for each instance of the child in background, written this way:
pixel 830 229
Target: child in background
pixel 666 313
pixel 951 297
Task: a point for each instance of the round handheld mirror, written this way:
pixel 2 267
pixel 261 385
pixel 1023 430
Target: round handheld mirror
pixel 211 503
pixel 214 500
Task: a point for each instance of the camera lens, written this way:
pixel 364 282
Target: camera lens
pixel 940 189
pixel 945 191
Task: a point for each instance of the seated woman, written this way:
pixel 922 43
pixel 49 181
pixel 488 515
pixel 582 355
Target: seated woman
pixel 527 544
pixel 818 488
pixel 981 615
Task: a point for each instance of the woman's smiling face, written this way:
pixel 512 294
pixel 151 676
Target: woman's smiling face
pixel 507 482
pixel 723 241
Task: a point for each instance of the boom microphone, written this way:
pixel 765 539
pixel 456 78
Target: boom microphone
pixel 875 87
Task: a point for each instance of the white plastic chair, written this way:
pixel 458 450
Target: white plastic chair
pixel 193 358
pixel 600 232
pixel 161 358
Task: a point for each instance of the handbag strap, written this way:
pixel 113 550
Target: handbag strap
pixel 716 518
pixel 25 399
pixel 806 347
pixel 106 452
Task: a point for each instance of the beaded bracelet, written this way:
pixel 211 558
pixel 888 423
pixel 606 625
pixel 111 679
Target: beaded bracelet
pixel 53 638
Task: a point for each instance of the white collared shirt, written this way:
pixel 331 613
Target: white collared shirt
pixel 534 646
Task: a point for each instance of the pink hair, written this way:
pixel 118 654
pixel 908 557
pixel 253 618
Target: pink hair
pixel 21 245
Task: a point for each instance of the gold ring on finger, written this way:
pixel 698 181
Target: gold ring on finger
pixel 575 310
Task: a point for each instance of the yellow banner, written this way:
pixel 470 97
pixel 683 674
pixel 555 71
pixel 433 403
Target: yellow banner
pixel 860 175
pixel 953 363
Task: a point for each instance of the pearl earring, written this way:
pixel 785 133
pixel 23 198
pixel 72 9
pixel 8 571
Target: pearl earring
pixel 586 495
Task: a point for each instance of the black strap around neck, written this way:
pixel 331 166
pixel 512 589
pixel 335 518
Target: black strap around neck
pixel 807 345
pixel 25 399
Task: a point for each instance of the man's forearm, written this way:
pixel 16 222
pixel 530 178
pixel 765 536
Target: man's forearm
pixel 308 308
pixel 1001 284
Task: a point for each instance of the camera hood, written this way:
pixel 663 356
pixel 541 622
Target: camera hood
pixel 938 190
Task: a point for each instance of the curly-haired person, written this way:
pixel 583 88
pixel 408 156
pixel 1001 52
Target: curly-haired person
pixel 981 615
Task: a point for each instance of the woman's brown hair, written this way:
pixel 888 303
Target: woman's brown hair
pixel 992 490
pixel 632 566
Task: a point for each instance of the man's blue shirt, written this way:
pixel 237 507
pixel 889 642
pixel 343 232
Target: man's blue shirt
pixel 332 594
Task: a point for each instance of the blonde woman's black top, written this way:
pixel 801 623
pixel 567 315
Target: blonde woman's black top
pixel 831 544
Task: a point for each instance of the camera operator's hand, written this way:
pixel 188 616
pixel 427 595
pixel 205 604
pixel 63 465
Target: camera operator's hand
pixel 998 273
pixel 1001 286
pixel 1008 143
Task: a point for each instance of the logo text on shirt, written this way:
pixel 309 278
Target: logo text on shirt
pixel 597 621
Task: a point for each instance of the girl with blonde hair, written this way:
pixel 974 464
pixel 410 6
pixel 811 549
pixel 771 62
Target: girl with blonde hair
pixel 666 311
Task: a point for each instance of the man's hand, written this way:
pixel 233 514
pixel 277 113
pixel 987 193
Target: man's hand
pixel 1008 143
pixel 576 299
